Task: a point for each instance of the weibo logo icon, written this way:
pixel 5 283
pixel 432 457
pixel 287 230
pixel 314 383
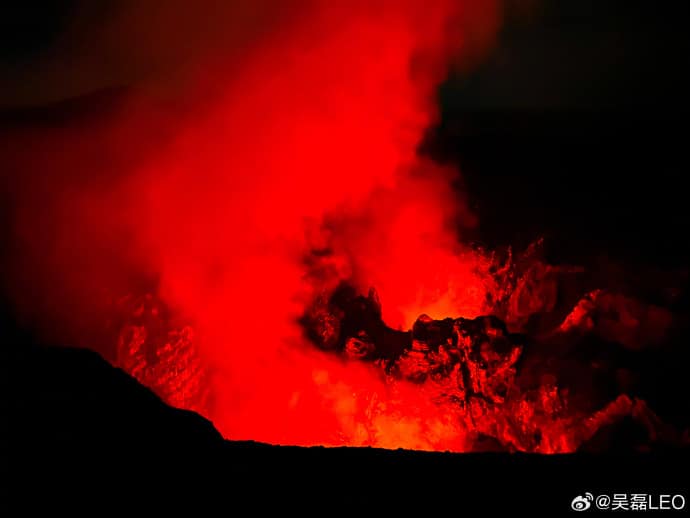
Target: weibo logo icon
pixel 582 503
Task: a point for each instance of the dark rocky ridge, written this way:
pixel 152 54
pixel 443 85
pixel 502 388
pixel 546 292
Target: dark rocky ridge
pixel 72 398
pixel 85 431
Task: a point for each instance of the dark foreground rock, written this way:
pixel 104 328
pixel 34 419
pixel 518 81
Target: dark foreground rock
pixel 82 434
pixel 64 398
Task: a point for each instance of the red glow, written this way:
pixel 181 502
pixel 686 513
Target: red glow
pixel 302 173
pixel 313 144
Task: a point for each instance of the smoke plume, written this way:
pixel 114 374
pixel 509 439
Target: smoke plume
pixel 276 158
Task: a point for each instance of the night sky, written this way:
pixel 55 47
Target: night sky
pixel 585 54
pixel 574 128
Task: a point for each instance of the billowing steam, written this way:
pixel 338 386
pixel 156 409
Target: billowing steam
pixel 285 162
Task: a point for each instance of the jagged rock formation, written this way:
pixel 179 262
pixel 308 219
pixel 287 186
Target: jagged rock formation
pixel 474 367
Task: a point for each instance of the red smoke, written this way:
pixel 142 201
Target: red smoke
pixel 305 141
pixel 313 145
